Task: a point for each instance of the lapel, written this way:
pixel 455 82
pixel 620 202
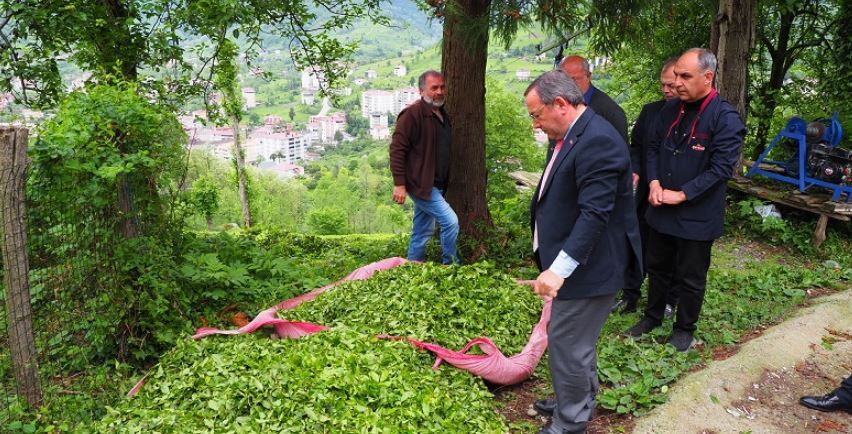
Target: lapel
pixel 571 141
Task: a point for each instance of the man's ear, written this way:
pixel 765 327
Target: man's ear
pixel 708 76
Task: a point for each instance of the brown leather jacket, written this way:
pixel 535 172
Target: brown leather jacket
pixel 412 149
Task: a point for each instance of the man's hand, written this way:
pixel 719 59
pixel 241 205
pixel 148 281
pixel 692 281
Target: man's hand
pixel 655 196
pixel 635 180
pixel 399 194
pixel 547 284
pixel 672 197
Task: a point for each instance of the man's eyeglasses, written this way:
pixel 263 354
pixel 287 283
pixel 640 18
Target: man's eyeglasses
pixel 537 112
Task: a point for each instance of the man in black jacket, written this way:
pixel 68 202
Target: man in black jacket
pixel 642 134
pixel 579 69
pixel 689 163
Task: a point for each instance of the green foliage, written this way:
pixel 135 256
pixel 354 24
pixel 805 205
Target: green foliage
pixel 103 143
pixel 124 38
pixel 743 216
pixel 226 80
pixel 328 221
pixel 336 381
pixel 509 143
pixel 434 303
pixel 205 197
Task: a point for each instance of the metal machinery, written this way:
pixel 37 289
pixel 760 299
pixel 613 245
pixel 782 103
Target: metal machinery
pixel 816 159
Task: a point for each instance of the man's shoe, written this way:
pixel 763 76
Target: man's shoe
pixel 682 340
pixel 545 407
pixel 830 402
pixel 642 327
pixel 669 312
pixel 624 306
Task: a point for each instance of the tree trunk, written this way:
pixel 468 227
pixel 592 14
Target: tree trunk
pixel 241 174
pixel 769 92
pixel 463 61
pixel 19 313
pixel 735 40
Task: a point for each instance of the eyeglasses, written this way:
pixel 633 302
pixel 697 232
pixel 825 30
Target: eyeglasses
pixel 537 112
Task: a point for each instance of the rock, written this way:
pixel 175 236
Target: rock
pixel 531 412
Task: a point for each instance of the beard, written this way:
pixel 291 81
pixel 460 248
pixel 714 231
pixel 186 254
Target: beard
pixel 432 102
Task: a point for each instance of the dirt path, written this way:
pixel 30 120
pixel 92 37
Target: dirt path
pixel 756 390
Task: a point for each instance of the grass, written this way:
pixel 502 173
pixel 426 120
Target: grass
pixel 751 284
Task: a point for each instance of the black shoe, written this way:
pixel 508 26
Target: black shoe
pixel 682 340
pixel 642 327
pixel 545 407
pixel 624 305
pixel 669 312
pixel 830 402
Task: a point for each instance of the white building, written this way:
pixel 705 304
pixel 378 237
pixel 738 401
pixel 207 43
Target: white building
pixel 371 74
pixel 522 74
pixel 402 98
pixel 400 70
pixel 286 147
pixel 6 99
pixel 379 126
pixel 313 78
pixel 308 97
pixel 359 81
pixel 324 128
pixel 249 98
pixel 377 101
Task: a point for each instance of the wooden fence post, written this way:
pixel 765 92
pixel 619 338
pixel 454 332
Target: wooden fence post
pixel 19 313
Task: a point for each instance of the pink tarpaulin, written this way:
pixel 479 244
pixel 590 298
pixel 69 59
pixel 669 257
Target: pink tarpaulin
pixel 493 366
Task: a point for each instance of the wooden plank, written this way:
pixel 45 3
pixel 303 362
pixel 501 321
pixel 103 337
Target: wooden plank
pixel 782 198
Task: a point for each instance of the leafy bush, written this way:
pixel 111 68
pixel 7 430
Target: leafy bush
pixel 336 381
pixel 445 305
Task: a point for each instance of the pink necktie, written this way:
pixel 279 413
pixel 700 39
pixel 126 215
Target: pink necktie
pixel 556 150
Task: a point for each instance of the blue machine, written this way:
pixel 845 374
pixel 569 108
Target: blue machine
pixel 817 161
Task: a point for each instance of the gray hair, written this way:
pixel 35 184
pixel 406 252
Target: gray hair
pixel 669 63
pixel 553 84
pixel 706 59
pixel 421 82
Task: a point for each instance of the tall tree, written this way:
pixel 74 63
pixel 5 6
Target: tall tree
pixel 732 38
pixel 785 31
pixel 232 102
pixel 467 27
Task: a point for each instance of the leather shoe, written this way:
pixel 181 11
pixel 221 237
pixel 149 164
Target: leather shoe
pixel 624 306
pixel 830 402
pixel 548 429
pixel 545 407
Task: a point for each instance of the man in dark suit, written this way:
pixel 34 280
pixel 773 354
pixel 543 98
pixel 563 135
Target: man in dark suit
pixel 585 238
pixel 579 69
pixel 689 163
pixel 641 135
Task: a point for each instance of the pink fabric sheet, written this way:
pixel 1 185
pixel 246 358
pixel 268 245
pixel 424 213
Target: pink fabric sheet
pixel 492 366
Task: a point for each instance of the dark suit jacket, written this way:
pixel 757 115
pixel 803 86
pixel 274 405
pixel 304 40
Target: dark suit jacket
pixel 641 135
pixel 586 209
pixel 699 168
pixel 609 110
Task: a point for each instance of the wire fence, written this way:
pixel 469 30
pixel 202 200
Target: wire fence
pixel 67 261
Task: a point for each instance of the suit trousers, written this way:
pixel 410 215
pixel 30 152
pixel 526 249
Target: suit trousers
pixel 632 287
pixel 573 332
pixel 677 265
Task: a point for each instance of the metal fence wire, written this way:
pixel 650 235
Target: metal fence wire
pixel 71 250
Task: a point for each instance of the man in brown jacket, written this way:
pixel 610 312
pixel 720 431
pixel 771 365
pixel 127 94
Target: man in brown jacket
pixel 420 162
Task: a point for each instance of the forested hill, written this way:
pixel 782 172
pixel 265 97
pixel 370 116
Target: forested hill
pixel 410 29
